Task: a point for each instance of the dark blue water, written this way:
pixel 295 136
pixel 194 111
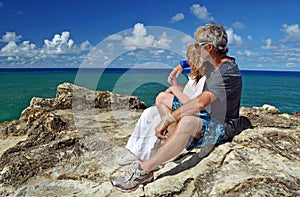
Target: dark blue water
pixel 278 88
pixel 18 86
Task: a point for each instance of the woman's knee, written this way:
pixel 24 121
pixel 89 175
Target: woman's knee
pixel 161 98
pixel 147 111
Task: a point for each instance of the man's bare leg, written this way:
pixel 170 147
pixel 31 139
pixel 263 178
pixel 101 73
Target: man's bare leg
pixel 188 126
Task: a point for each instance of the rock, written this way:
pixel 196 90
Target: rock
pixel 271 109
pixel 72 150
pixel 70 96
pixel 286 116
pixel 261 161
pixel 261 117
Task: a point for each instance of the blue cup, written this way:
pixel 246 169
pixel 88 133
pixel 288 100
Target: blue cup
pixel 184 64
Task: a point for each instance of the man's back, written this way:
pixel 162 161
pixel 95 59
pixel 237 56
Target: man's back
pixel 226 84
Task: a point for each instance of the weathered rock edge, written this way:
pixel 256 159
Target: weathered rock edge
pixel 60 159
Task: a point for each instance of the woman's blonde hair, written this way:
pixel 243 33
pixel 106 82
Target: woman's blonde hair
pixel 198 69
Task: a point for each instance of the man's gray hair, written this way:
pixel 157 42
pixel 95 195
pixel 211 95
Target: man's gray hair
pixel 214 34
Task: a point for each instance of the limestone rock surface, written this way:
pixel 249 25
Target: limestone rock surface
pixel 69 146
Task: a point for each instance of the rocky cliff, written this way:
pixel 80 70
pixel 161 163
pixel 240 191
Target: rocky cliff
pixel 69 146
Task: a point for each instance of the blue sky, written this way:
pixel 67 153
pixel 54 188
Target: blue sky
pixel 262 34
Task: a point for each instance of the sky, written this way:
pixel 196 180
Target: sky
pixel 263 35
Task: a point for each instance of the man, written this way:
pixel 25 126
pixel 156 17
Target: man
pixel 222 91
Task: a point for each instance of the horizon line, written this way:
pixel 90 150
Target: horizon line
pixel 100 68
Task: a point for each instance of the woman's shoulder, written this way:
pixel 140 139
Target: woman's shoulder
pixel 201 81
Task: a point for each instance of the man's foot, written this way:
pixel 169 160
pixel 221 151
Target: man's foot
pixel 127 159
pixel 132 179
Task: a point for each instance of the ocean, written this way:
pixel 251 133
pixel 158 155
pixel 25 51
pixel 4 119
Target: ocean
pixel 278 88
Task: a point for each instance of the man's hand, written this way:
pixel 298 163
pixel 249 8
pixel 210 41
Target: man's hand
pixel 163 125
pixel 160 130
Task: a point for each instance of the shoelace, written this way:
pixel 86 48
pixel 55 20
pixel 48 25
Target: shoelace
pixel 131 172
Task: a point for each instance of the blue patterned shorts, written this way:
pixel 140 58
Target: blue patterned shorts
pixel 212 133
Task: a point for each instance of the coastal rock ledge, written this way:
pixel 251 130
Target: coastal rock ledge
pixel 70 145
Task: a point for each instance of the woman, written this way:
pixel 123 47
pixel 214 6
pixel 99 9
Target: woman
pixel 143 142
pixel 177 95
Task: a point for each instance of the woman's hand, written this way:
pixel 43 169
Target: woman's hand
pixel 174 75
pixel 169 90
pixel 173 90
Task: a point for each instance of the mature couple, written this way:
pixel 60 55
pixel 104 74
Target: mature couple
pixel 208 105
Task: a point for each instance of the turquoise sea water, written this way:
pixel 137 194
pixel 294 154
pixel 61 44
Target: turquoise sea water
pixel 18 86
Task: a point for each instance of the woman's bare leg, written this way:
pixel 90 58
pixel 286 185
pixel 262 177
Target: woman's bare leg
pixel 164 102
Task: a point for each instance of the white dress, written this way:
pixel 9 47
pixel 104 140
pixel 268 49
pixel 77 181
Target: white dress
pixel 143 142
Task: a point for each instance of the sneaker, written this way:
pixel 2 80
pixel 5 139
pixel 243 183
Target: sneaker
pixel 127 159
pixel 132 179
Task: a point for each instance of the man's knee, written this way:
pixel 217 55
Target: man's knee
pixel 189 124
pixel 190 120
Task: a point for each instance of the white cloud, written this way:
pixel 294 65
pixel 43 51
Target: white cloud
pixel 259 66
pixel 234 39
pixel 27 46
pixel 268 44
pixel 201 13
pixel 10 58
pixel 292 33
pixel 164 42
pixel 238 25
pixel 138 39
pixel 20 53
pixel 187 39
pixel 12 48
pixel 86 45
pixel 141 39
pixel 114 37
pixel 290 65
pixel 177 17
pixel 60 44
pixel 247 53
pixel 10 37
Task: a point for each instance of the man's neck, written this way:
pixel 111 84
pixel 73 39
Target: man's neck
pixel 219 60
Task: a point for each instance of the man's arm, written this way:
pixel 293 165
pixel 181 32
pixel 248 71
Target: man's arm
pixel 195 105
pixel 189 109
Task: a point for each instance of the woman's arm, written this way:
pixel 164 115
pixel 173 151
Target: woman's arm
pixel 177 91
